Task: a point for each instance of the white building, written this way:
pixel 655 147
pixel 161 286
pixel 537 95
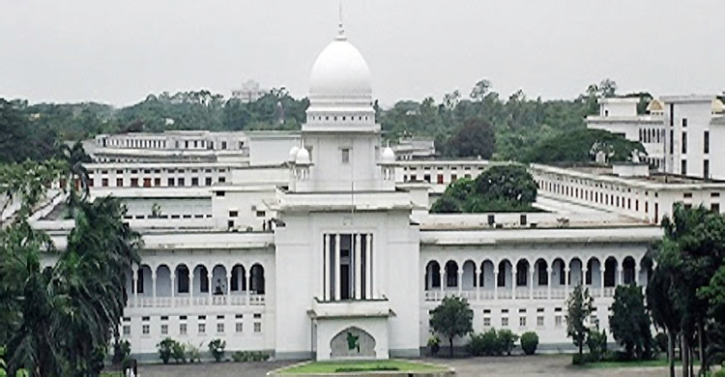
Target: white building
pixel 249 92
pixel 332 238
pixel 676 132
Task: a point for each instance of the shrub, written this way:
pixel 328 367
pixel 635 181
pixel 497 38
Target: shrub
pixel 661 341
pixel 577 359
pixel 529 342
pixel 120 351
pixel 507 341
pixel 193 353
pixel 166 348
pixel 485 344
pixel 597 343
pixel 178 352
pixel 720 373
pixel 216 347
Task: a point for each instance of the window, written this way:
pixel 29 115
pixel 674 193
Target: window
pixel 195 181
pixel 706 169
pixel 220 193
pixel 220 328
pixel 126 330
pixel 182 328
pixel 504 322
pixel 522 321
pixel 706 142
pixel 104 182
pixel 202 328
pixel 139 281
pixel 170 182
pixel 540 321
pixel 207 181
pixel 345 155
pixel 157 181
pixel 181 181
pixel 164 329
pixel 119 182
pixel 683 168
pixel 261 213
pixel 239 327
pixel 487 322
pixel 233 213
pixel 145 329
pixel 257 327
pixel 222 179
pixel 558 321
pixel 684 122
pixel 684 143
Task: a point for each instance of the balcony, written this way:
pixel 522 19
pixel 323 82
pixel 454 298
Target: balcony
pixel 251 299
pixel 350 309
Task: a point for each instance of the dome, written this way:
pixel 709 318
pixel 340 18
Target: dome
pixel 303 157
pixel 293 153
pixel 340 72
pixel 388 156
pixel 655 106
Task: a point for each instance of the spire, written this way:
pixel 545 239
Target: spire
pixel 340 29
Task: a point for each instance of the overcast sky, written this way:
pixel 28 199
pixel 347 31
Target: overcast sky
pixel 120 51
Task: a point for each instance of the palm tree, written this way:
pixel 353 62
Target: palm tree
pixel 77 176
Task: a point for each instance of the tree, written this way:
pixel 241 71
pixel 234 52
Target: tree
pixel 453 317
pixel 630 322
pixel 579 307
pixel 474 139
pixel 580 146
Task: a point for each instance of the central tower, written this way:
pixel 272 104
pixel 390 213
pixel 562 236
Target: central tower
pixel 340 149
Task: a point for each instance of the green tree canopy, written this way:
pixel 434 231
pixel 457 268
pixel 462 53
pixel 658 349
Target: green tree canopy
pixel 580 146
pixel 579 307
pixel 453 317
pixel 630 322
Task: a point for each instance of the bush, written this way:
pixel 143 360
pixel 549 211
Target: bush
pixel 485 344
pixel 529 342
pixel 245 356
pixel 120 351
pixel 178 352
pixel 507 341
pixel 661 341
pixel 597 343
pixel 165 348
pixel 720 373
pixel 216 347
pixel 193 353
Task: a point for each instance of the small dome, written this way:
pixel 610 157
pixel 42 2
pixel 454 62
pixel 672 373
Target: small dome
pixel 303 157
pixel 388 156
pixel 293 153
pixel 655 106
pixel 340 71
pixel 717 106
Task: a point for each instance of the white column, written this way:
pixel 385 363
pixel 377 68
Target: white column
pixel 495 283
pixel 326 267
pixel 476 283
pixel 584 276
pixel 460 279
pixel 153 284
pixel 636 273
pixel 134 286
pixel 513 282
pixel 566 281
pixel 191 287
pixel 601 280
pixel 227 291
pixel 369 266
pixel 357 251
pixel 549 280
pixel 620 273
pixel 338 286
pixel 249 287
pixel 173 287
pixel 209 284
pixel 531 282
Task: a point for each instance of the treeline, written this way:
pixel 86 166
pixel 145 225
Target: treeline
pixel 483 124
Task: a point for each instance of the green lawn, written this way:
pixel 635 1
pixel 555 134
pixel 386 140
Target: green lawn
pixel 635 364
pixel 361 366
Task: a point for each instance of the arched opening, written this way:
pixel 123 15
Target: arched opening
pixel 645 271
pixel 239 279
pixel 610 272
pixel 558 275
pixel 542 273
pixel 504 269
pixel 143 281
pixel 219 279
pixel 432 275
pixel 575 272
pixel 201 280
pixel 468 280
pixel 451 274
pixel 163 281
pixel 352 342
pixel 522 273
pixel 257 283
pixel 182 279
pixel 628 269
pixel 594 272
pixel 485 279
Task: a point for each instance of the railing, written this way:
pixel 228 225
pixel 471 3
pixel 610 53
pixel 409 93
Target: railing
pixel 558 293
pixel 541 294
pixel 197 301
pixel 608 291
pixel 504 294
pixel 522 293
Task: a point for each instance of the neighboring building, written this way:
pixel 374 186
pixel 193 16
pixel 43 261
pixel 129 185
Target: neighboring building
pixel 671 146
pixel 249 92
pixel 325 235
pixel 414 148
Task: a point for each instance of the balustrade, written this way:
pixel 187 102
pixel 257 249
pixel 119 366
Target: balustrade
pixel 205 300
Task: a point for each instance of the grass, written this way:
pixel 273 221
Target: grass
pixel 361 366
pixel 634 364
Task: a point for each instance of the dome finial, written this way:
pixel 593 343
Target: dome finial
pixel 340 29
